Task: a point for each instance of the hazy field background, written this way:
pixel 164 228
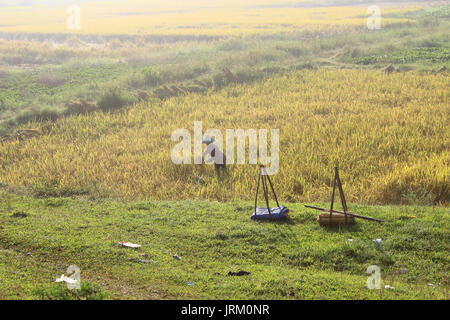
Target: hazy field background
pixel 194 17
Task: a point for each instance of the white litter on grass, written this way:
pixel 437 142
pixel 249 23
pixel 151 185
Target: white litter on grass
pixel 378 241
pixel 389 287
pixel 67 280
pixel 177 257
pixel 432 285
pixel 350 240
pixel 190 284
pixel 129 245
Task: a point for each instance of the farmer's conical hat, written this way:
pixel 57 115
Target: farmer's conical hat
pixel 208 140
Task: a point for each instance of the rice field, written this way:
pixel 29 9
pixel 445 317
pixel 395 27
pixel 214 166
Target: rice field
pixel 387 132
pixel 199 17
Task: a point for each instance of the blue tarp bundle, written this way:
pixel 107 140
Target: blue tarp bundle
pixel 279 213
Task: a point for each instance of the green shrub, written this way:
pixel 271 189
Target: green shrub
pixel 80 107
pixel 306 65
pixel 233 45
pixel 190 72
pixel 430 22
pixel 219 79
pixel 247 75
pixel 51 80
pixel 293 50
pixel 136 81
pixel 115 99
pixel 152 77
pixel 196 89
pixel 430 44
pixel 38 115
pixel 430 54
pixel 178 73
pixel 356 53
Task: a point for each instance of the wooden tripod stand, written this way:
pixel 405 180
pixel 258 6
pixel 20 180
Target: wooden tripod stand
pixel 348 216
pixel 337 181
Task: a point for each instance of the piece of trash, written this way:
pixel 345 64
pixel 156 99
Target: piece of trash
pixel 177 257
pixel 350 240
pixel 379 241
pixel 144 261
pixel 20 215
pixel 279 213
pixel 27 254
pixel 67 280
pixel 129 245
pixel 190 284
pixel 404 270
pixel 432 285
pixel 239 274
pixel 389 287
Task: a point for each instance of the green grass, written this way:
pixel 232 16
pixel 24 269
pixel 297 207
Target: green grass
pixel 87 291
pixel 434 55
pixel 297 256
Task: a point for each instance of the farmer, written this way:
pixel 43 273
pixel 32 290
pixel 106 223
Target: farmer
pixel 215 155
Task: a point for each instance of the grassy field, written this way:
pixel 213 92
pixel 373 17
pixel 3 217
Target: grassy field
pixel 293 260
pixel 86 118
